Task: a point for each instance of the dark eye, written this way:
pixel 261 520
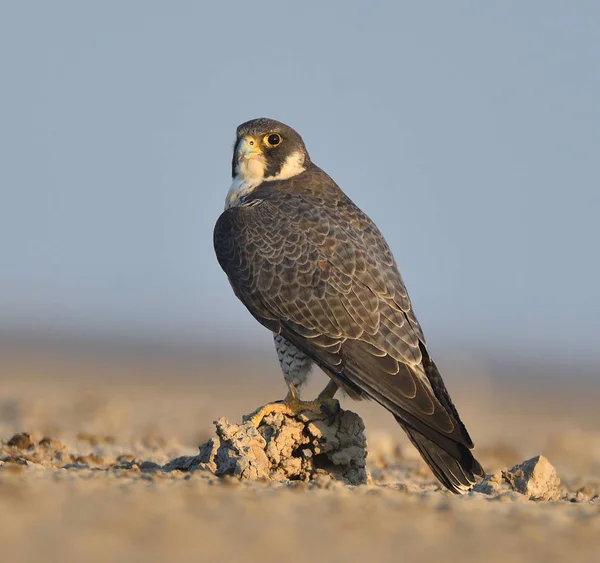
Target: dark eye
pixel 273 140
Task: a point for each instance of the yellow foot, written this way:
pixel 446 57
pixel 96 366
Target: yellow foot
pixel 293 406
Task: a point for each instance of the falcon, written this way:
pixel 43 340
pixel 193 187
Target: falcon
pixel 312 268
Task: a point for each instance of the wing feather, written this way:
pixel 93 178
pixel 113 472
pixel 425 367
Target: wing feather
pixel 315 269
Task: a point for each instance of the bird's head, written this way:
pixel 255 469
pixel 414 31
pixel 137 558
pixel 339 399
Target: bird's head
pixel 266 150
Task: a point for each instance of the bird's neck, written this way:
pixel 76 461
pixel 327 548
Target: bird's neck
pixel 247 180
pixel 239 189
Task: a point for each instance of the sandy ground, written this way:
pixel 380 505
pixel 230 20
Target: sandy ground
pixel 93 490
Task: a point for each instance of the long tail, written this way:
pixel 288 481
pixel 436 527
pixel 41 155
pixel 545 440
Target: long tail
pixel 453 464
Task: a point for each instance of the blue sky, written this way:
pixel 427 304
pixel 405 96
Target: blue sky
pixel 469 131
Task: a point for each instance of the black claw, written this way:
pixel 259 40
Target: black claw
pixel 331 409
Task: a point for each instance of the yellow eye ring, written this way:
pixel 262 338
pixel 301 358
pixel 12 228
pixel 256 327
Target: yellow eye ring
pixel 272 140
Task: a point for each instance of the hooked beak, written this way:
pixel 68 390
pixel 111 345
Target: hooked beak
pixel 247 149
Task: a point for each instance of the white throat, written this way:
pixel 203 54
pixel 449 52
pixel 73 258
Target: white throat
pixel 251 173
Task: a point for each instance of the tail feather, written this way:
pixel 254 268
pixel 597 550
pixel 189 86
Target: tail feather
pixel 458 471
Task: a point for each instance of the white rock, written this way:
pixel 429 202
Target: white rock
pixel 535 478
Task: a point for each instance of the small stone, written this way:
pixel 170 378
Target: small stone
pixel 492 485
pixel 90 460
pixel 535 478
pixel 21 441
pixel 75 466
pixel 148 466
pixel 183 463
pixel 126 458
pixel 47 442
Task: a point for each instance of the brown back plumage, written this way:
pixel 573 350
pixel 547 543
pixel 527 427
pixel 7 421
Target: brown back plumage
pixel 310 265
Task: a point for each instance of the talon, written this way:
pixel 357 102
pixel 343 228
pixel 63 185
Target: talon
pixel 331 409
pixel 293 406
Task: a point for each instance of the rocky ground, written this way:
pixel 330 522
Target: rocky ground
pixel 106 466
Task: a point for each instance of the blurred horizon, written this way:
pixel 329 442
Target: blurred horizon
pixel 469 132
pixel 110 353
